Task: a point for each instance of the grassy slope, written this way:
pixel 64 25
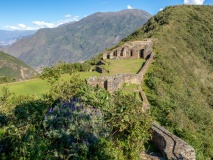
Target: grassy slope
pixel 38 87
pixel 180 83
pixel 11 67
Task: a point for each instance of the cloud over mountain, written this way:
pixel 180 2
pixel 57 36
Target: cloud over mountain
pixel 42 24
pixel 129 7
pixel 196 2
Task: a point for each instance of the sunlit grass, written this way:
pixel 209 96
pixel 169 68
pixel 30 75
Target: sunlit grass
pixel 123 66
pixel 37 86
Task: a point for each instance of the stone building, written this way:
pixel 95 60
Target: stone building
pixel 130 50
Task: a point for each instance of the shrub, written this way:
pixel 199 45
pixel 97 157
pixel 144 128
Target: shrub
pixel 74 128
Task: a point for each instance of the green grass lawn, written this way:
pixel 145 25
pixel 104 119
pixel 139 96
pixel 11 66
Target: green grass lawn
pixel 131 89
pixel 123 66
pixel 37 86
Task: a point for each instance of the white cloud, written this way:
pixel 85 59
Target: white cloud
pixel 75 18
pixel 42 24
pixel 196 2
pixel 67 16
pixel 19 27
pixel 22 25
pixel 160 9
pixel 129 7
pixel 11 27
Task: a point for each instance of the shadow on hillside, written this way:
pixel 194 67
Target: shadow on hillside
pixel 31 112
pixel 3 119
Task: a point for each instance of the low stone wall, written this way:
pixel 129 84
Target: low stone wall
pixel 101 70
pixel 101 81
pixel 170 145
pixel 144 68
pixel 113 83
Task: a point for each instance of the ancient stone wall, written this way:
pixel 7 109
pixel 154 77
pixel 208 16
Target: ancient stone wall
pixel 170 145
pixel 101 81
pixel 113 83
pixel 146 65
pixel 101 69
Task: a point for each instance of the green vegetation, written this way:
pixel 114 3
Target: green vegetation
pixel 179 84
pixel 4 79
pixel 72 121
pixel 12 68
pixel 38 87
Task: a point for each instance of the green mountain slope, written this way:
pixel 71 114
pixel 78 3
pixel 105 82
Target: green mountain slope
pixel 80 40
pixel 12 67
pixel 179 84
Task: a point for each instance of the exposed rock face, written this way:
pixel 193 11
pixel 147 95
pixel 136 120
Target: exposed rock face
pixel 170 145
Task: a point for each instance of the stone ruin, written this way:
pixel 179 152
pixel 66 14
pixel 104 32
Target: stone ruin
pixel 170 145
pixel 131 50
pixel 113 83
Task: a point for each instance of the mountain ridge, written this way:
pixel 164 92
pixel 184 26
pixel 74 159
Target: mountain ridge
pixel 179 84
pixel 78 41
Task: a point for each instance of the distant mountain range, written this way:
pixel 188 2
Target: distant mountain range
pixel 78 41
pixel 12 67
pixel 8 37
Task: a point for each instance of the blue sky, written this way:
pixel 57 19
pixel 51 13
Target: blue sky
pixel 35 14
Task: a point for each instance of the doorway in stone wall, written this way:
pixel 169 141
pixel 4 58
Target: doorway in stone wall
pixel 105 85
pixel 131 53
pixel 142 53
pixel 115 53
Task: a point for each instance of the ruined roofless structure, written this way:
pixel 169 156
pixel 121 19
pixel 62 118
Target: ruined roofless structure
pixel 130 50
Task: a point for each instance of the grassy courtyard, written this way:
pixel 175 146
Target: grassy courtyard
pixel 39 87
